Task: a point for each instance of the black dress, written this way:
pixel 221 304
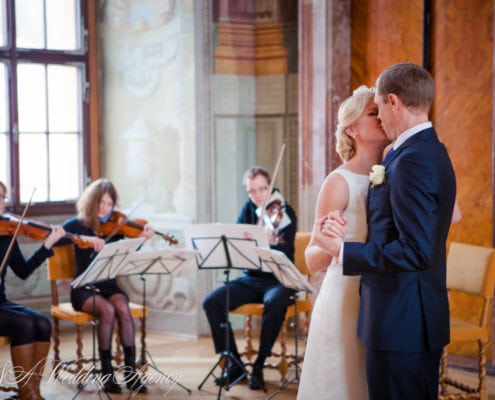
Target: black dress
pixel 84 257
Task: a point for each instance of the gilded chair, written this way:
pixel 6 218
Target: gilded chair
pixel 61 268
pixel 6 386
pixel 304 308
pixel 471 270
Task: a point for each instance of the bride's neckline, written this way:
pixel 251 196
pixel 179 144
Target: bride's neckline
pixel 352 172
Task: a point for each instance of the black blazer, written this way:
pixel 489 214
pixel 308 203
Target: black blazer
pixel 404 305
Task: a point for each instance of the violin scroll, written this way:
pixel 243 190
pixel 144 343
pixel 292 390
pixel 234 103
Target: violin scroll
pixel 119 224
pixel 272 218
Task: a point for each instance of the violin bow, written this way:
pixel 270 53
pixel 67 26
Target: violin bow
pixel 16 233
pixel 272 181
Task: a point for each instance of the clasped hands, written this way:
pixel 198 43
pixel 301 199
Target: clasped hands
pixel 329 231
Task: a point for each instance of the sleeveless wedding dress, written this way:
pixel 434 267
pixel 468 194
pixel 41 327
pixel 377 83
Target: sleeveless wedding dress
pixel 334 366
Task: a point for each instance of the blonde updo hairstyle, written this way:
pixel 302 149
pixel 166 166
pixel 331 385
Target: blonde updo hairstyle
pixel 349 112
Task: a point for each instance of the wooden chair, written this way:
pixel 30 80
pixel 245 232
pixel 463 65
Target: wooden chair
pixel 62 267
pixel 304 306
pixel 470 269
pixel 6 386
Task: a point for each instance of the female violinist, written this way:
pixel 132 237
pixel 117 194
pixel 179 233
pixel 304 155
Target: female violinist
pixel 94 208
pixel 29 331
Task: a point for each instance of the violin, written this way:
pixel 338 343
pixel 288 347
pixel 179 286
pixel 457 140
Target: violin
pixel 119 224
pixel 34 230
pixel 273 217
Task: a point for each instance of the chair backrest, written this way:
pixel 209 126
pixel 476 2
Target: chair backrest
pixel 300 244
pixel 61 266
pixel 471 269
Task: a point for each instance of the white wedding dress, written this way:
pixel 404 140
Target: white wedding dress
pixel 334 366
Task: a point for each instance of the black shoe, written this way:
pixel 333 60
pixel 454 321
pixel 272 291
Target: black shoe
pixel 256 380
pixel 110 386
pixel 231 374
pixel 133 382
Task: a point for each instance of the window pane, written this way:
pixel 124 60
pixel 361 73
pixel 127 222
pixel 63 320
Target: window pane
pixel 31 92
pixel 63 98
pixel 5 161
pixel 4 114
pixel 64 164
pixel 61 24
pixel 33 167
pixel 30 24
pixel 4 154
pixel 3 24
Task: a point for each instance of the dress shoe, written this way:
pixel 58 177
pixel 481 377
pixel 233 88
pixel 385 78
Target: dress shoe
pixel 133 382
pixel 110 386
pixel 256 380
pixel 231 374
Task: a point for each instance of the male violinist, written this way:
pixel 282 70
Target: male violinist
pixel 255 286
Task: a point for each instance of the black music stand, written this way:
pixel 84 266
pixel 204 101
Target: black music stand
pixel 158 262
pixel 289 276
pixel 227 247
pixel 110 257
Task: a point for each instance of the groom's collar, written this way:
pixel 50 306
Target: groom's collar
pixel 410 132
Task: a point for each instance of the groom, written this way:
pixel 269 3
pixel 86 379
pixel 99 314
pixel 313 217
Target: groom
pixel 404 311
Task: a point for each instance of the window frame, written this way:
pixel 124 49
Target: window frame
pixel 90 138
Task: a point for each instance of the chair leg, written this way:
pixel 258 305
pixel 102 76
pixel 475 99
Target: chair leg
pixel 142 361
pixel 56 346
pixel 483 346
pixel 248 350
pixel 443 372
pixel 283 365
pixel 79 350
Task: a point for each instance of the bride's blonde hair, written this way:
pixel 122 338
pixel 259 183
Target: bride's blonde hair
pixel 349 112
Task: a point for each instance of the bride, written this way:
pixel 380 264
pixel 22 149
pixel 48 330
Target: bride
pixel 334 366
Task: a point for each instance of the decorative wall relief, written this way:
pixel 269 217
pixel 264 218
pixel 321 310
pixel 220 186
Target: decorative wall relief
pixel 143 60
pixel 131 15
pixel 142 66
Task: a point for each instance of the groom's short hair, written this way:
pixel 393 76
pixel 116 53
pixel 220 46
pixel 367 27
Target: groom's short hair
pixel 410 82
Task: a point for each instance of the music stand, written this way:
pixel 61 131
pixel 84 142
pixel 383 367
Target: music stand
pixel 158 262
pixel 109 258
pixel 227 247
pixel 289 276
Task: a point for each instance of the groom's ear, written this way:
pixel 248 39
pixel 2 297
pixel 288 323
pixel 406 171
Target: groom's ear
pixel 393 100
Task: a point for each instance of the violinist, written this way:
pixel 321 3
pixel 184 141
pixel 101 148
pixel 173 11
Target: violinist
pixel 29 331
pixel 256 286
pixel 95 207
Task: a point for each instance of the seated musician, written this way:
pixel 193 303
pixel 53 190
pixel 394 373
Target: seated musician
pixel 255 286
pixel 28 330
pixel 94 208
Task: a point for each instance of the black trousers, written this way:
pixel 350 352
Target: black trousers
pixel 402 376
pixel 257 288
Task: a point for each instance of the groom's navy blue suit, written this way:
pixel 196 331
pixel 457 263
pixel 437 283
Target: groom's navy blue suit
pixel 404 312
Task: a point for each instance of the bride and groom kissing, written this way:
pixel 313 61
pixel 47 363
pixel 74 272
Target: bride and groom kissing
pixel 381 318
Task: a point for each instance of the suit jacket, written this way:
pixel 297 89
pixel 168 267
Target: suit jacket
pixel 404 305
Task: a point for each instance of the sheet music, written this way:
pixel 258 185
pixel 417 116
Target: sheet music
pixel 284 270
pixel 107 261
pixel 167 262
pixel 240 239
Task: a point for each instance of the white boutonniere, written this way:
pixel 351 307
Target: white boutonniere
pixel 377 175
